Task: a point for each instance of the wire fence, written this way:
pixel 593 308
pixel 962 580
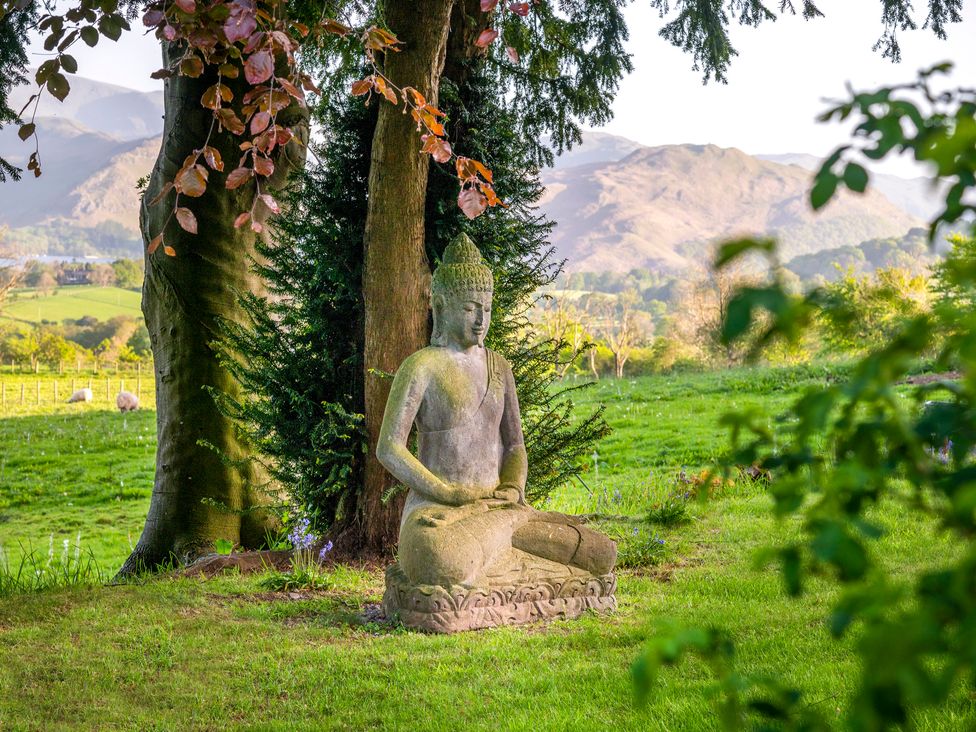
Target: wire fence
pixel 19 392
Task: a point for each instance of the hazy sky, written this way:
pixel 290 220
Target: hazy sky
pixel 776 86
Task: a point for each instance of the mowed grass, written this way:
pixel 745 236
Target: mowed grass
pixel 74 302
pixel 190 654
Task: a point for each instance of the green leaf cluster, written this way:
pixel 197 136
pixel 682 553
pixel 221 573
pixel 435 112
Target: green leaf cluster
pixel 846 447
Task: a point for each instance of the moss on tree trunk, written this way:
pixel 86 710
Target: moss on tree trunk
pixel 184 297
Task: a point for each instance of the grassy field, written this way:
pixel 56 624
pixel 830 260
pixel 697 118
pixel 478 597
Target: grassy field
pixel 225 653
pixel 43 394
pixel 74 302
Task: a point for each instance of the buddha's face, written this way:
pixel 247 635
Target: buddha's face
pixel 462 320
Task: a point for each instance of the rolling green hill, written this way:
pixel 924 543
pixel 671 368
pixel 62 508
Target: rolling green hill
pixel 72 302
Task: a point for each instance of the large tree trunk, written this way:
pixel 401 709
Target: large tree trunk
pixel 396 276
pixel 183 299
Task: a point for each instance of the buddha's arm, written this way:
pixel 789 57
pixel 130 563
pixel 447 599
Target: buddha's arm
pixel 515 461
pixel 405 397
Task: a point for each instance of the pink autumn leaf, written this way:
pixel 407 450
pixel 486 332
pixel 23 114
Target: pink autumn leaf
pixel 472 203
pixel 486 37
pixel 259 67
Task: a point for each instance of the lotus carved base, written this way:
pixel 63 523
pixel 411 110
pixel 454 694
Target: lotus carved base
pixel 457 608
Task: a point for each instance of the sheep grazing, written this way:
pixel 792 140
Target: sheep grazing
pixel 126 401
pixel 81 395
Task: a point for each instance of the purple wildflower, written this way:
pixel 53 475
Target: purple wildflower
pixel 325 550
pixel 300 536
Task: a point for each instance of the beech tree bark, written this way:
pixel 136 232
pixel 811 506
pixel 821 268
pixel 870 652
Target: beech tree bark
pixel 183 299
pixel 396 275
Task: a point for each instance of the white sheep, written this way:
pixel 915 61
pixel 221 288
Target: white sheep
pixel 81 395
pixel 126 401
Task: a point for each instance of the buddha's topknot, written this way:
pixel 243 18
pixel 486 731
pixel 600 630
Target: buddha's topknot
pixel 462 270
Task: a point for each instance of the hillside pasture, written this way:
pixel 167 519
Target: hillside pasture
pixel 177 653
pixel 71 302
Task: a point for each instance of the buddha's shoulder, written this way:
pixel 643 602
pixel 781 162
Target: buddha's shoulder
pixel 499 361
pixel 424 360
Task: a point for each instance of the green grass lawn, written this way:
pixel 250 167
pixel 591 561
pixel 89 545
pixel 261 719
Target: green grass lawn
pixel 181 653
pixel 73 301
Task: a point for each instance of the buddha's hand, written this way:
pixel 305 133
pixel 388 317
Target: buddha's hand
pixel 508 492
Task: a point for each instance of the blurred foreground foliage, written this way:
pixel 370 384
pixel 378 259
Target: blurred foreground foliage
pixel 844 448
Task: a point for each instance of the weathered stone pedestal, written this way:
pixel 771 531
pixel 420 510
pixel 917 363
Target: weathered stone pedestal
pixel 457 608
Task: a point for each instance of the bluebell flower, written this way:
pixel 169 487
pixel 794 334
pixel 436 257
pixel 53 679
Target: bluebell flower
pixel 617 497
pixel 325 550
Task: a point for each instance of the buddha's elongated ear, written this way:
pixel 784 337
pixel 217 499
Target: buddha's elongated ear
pixel 437 303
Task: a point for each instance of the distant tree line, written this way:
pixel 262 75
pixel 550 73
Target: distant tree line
pixel 121 339
pixel 124 273
pixel 626 334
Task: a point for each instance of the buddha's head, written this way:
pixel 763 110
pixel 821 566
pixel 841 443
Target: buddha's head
pixel 461 296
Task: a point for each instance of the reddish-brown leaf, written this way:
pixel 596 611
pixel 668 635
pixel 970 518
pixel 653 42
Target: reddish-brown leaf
pixel 390 95
pixel 362 86
pixel 488 5
pixel 519 8
pixel 485 173
pixel 229 70
pixel 186 219
pixel 268 201
pixel 415 96
pixel 191 66
pixel 260 122
pixel 431 122
pixel 169 32
pixel 259 67
pixel 291 89
pixel 472 203
pixel 283 135
pixel 309 85
pixel 161 74
pixel 230 121
pixel 512 54
pixel 437 148
pixel 239 27
pixel 333 26
pixel 486 37
pixel 263 166
pixel 241 219
pixel 489 192
pixel 154 244
pixel 187 6
pixel 211 98
pixel 377 39
pixel 238 177
pixel 256 227
pixel 170 252
pixel 465 169
pixel 191 181
pixel 212 156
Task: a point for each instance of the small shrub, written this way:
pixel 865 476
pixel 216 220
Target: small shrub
pixel 306 569
pixel 672 511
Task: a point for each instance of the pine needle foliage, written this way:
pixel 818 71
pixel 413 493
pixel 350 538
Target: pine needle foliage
pixel 298 356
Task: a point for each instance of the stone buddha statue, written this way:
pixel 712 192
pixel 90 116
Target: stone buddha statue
pixel 472 553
